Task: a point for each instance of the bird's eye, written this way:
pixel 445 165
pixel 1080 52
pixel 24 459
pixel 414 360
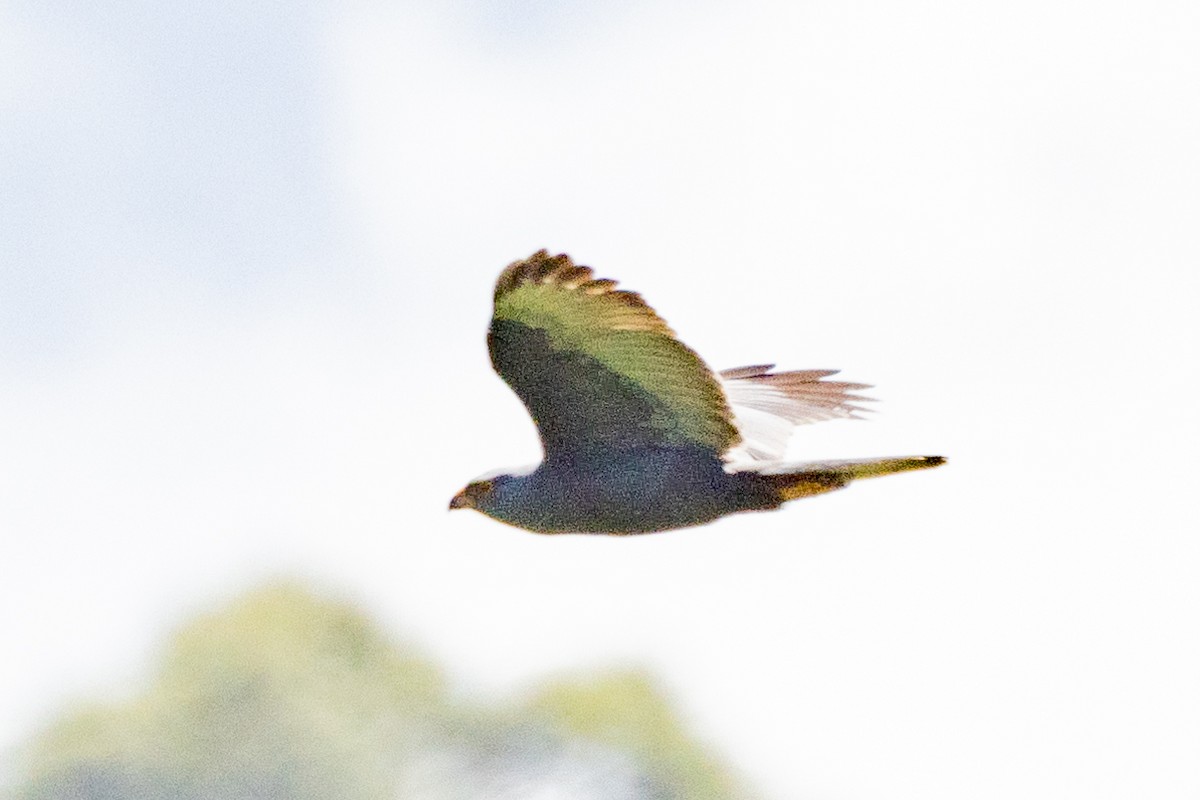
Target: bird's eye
pixel 480 488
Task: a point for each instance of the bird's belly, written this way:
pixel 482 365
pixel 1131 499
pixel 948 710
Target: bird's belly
pixel 643 492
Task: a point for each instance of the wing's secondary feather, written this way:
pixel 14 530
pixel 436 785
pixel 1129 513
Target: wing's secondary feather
pixel 597 367
pixel 768 405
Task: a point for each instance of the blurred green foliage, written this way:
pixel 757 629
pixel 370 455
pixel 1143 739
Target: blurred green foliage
pixel 287 696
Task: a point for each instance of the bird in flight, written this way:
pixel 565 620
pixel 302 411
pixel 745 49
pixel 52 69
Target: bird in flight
pixel 638 434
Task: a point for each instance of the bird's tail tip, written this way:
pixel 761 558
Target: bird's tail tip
pixel 802 480
pixel 886 466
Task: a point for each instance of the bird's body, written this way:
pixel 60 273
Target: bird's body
pixel 639 434
pixel 633 491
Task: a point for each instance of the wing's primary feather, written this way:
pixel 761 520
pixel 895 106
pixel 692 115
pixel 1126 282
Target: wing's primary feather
pixel 597 368
pixel 768 405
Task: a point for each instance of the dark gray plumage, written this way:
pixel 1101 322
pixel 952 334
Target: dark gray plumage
pixel 639 434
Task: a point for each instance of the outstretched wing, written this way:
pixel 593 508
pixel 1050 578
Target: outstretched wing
pixel 768 405
pixel 597 368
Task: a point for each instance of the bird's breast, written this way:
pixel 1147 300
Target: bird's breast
pixel 628 492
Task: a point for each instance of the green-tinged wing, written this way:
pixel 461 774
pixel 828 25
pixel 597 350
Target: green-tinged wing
pixel 596 367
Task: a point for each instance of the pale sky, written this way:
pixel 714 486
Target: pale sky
pixel 246 262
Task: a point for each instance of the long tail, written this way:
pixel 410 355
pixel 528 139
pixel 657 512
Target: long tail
pixel 793 481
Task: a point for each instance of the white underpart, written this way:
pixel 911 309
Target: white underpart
pixel 765 436
pixel 528 469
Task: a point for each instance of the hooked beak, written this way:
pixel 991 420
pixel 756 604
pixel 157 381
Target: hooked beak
pixel 461 500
